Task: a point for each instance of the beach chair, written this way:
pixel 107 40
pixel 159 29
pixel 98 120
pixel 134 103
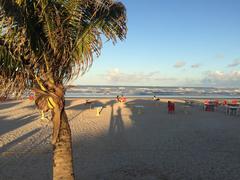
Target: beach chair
pixel 205 105
pixel 224 103
pixel 121 99
pixel 234 101
pixel 209 105
pixel 232 108
pixel 171 107
pixel 124 99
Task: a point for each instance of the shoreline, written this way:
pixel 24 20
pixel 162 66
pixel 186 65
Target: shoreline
pixel 133 97
pixel 150 97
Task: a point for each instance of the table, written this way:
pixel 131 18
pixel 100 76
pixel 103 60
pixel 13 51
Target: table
pixel 232 109
pixel 209 107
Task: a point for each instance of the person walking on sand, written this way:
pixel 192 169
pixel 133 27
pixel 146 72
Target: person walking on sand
pixel 155 98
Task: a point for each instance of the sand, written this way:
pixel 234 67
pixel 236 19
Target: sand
pixel 135 140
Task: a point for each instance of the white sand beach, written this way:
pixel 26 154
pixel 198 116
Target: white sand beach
pixel 133 140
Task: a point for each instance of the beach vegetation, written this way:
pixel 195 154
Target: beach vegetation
pixel 44 45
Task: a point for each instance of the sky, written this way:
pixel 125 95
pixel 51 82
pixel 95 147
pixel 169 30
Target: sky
pixel 173 43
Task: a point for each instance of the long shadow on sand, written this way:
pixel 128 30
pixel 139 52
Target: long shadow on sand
pixel 160 146
pixel 83 106
pixel 12 124
pixel 18 140
pixel 8 104
pixel 116 123
pixel 93 103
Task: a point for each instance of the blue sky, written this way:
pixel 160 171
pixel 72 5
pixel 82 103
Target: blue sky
pixel 173 43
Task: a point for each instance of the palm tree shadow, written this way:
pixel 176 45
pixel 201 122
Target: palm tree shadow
pixel 90 105
pixel 18 140
pixel 10 125
pixel 85 106
pixel 6 105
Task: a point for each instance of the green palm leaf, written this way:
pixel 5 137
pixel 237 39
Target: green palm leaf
pixel 56 40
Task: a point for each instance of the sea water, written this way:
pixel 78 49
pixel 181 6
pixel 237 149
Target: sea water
pixel 144 91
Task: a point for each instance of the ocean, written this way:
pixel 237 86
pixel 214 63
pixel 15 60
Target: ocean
pixel 144 91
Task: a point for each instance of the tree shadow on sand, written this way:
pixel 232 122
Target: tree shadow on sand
pixel 119 153
pixel 10 125
pixel 152 146
pixel 81 107
pixel 18 140
pixel 8 104
pixel 156 145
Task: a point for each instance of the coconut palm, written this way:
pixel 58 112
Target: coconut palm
pixel 46 43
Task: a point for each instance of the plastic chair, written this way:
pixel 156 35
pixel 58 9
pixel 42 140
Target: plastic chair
pixel 234 101
pixel 171 107
pixel 205 105
pixel 224 102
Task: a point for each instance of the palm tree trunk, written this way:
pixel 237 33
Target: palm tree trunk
pixel 62 150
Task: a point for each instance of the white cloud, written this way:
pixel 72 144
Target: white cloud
pixel 209 78
pixel 115 76
pixel 235 63
pixel 222 79
pixel 156 78
pixel 179 64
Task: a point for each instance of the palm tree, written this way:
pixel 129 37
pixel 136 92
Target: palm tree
pixel 46 43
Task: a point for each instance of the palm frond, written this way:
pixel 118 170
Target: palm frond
pixel 97 18
pixel 14 78
pixel 12 9
pixel 54 41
